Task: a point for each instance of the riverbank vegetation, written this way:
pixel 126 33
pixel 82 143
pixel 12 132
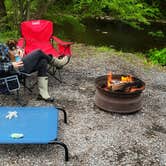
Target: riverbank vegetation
pixel 157 56
pixel 152 57
pixel 133 12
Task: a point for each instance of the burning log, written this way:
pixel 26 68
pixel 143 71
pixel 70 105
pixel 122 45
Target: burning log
pixel 124 84
pixel 127 86
pixel 115 87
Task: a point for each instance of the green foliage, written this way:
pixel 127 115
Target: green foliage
pixel 88 8
pixel 70 20
pixel 8 35
pixel 157 56
pixel 158 33
pixel 131 11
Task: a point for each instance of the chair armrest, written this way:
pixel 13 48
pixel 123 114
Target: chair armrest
pixel 23 73
pixel 61 42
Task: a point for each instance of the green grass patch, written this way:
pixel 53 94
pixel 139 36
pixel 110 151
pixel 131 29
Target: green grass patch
pixel 104 49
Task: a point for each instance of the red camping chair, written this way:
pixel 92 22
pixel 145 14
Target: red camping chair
pixel 38 34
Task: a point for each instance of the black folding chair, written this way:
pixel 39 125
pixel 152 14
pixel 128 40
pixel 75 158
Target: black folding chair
pixel 10 84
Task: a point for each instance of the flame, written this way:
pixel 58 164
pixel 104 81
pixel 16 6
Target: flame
pixel 109 79
pixel 126 79
pixel 123 79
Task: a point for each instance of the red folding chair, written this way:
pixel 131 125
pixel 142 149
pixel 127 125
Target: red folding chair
pixel 38 34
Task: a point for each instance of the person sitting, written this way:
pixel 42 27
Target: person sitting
pixel 12 60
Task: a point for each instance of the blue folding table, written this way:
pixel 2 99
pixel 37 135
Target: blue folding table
pixel 39 125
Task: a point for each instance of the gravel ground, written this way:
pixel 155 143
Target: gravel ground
pixel 95 137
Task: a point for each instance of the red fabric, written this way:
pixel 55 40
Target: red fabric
pixel 20 42
pixel 37 34
pixel 61 42
pixel 63 47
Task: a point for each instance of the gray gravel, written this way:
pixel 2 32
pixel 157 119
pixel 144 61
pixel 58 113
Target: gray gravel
pixel 95 137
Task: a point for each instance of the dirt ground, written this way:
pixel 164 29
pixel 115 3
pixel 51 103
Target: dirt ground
pixel 95 137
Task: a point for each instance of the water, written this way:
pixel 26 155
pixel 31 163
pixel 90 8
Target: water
pixel 114 34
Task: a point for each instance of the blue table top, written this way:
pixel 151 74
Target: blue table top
pixel 37 124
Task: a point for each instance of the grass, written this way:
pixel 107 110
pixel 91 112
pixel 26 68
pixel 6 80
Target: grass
pixel 104 49
pixel 134 58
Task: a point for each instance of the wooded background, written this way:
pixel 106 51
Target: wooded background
pixel 134 12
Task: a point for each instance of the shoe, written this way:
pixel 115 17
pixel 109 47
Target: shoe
pixel 49 100
pixel 60 62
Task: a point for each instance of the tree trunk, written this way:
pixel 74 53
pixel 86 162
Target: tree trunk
pixel 43 7
pixel 21 9
pixel 2 8
pixel 16 14
pixel 28 10
pixel 24 8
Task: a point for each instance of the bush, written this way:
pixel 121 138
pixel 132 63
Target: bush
pixel 158 56
pixel 4 36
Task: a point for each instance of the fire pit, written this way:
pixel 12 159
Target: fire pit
pixel 119 93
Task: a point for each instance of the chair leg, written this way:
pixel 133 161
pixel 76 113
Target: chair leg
pixel 17 96
pixel 60 77
pixel 25 85
pixel 33 85
pixel 18 100
pixel 66 149
pixel 64 112
pixel 53 75
pixel 52 70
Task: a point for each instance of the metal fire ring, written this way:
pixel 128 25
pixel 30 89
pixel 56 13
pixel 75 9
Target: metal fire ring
pixel 119 102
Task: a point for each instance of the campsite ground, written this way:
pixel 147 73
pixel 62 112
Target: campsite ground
pixel 95 137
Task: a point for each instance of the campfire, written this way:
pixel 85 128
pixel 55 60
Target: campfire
pixel 126 84
pixel 119 93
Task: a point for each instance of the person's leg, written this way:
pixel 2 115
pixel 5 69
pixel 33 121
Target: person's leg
pixel 31 61
pixel 37 61
pixel 41 67
pixel 43 89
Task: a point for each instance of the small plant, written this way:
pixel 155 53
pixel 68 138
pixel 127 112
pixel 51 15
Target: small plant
pixel 157 56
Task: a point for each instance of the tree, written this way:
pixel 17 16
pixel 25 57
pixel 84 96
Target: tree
pixel 21 9
pixel 43 6
pixel 134 12
pixel 131 11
